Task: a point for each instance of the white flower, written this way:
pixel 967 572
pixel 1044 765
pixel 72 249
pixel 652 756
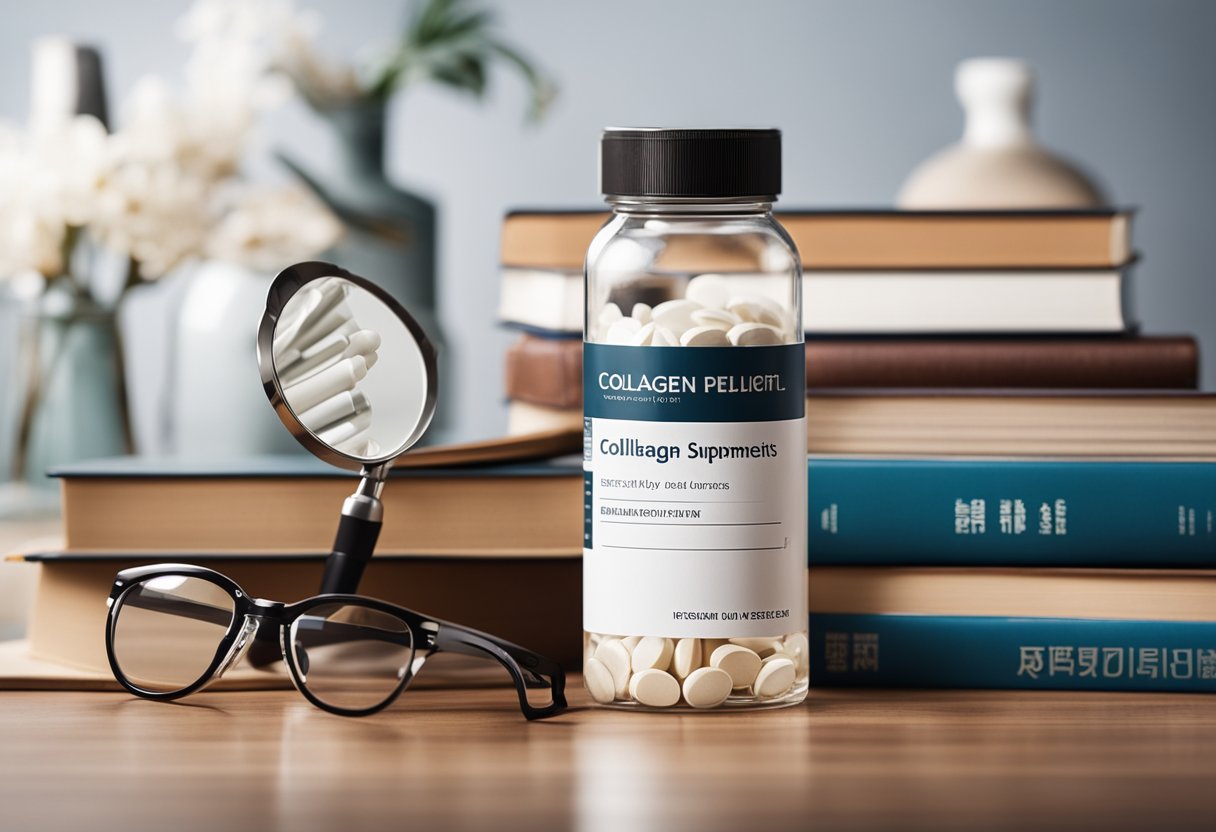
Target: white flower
pixel 28 243
pixel 252 37
pixel 156 189
pixel 158 213
pixel 49 181
pixel 320 80
pixel 22 245
pixel 159 127
pixel 236 45
pixel 206 125
pixel 267 229
pixel 248 39
pixel 67 165
pixel 220 19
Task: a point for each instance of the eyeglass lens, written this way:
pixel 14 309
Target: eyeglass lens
pixel 168 629
pixel 350 656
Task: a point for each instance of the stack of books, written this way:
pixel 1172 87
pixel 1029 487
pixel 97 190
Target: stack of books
pixel 891 300
pixel 1009 485
pixel 541 256
pixel 494 545
pixel 1045 527
pixel 1061 572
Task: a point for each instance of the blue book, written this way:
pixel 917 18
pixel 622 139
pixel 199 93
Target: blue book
pixel 1014 653
pixel 1011 512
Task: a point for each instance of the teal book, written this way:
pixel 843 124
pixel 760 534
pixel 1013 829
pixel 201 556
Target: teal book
pixel 1012 653
pixel 1007 512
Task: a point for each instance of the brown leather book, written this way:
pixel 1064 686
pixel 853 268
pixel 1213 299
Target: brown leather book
pixel 291 504
pixel 548 371
pixel 878 239
pixel 1163 362
pixel 531 601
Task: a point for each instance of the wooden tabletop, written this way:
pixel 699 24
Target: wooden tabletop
pixel 466 759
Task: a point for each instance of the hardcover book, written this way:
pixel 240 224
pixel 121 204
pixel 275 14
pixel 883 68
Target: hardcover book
pixel 1068 424
pixel 874 239
pixel 1012 653
pixel 957 301
pixel 549 371
pixel 292 504
pixel 1086 423
pixel 530 601
pixel 1031 512
pixel 1122 594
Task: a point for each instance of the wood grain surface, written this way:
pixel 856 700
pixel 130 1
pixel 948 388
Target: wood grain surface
pixel 466 759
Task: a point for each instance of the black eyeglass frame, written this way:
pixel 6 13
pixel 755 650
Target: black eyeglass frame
pixel 428 636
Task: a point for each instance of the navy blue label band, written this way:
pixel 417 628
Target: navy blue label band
pixel 694 384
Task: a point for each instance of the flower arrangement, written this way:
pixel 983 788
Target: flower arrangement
pixel 165 187
pixel 80 204
pixel 161 189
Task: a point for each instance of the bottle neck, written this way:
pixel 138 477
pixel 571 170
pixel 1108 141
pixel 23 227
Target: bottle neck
pixel 753 205
pixel 996 95
pixel 998 124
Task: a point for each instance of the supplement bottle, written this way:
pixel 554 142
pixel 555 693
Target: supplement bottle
pixel 694 382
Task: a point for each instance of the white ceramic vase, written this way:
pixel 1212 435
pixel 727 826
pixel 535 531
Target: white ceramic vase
pixel 218 407
pixel 997 164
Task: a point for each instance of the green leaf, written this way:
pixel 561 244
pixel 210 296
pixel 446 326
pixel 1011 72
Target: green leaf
pixel 543 90
pixel 450 42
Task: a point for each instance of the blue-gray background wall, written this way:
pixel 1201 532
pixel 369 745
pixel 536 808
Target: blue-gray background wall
pixel 861 89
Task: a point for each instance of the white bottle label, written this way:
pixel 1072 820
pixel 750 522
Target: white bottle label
pixel 696 513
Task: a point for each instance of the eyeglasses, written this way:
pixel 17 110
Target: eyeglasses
pixel 173 629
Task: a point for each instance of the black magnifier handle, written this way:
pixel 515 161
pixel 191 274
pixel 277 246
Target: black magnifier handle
pixel 344 567
pixel 353 547
pixel 354 544
pixel 357 533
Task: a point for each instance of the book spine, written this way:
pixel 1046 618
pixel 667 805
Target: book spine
pixel 1108 363
pixel 1011 512
pixel 545 366
pixel 545 371
pixel 1012 653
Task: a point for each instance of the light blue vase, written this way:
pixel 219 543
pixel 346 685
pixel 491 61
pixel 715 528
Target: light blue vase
pixel 217 407
pixel 75 399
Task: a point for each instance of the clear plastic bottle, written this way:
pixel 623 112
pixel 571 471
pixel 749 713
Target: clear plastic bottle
pixel 694 579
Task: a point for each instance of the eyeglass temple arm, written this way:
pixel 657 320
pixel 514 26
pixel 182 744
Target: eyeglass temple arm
pixel 528 669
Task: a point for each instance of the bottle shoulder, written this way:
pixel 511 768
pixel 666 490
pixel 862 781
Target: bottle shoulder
pixel 691 243
pixel 964 176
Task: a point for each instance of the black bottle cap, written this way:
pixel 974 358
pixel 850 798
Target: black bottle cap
pixel 698 164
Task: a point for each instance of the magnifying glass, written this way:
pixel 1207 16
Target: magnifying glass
pixel 353 376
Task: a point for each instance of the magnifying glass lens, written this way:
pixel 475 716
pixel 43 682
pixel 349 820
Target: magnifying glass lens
pixel 350 369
